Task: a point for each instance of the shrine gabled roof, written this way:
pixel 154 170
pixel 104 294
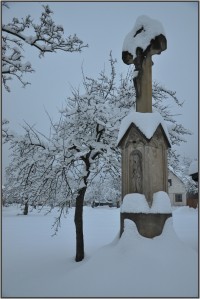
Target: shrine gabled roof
pixel 147 123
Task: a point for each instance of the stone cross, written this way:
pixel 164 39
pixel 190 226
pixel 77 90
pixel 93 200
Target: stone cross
pixel 144 157
pixel 143 67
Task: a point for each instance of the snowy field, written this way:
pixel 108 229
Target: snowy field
pixel 35 264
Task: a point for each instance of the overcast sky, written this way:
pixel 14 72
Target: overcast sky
pixel 103 25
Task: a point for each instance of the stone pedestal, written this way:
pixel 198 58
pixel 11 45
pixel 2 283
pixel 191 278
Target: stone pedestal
pixel 148 225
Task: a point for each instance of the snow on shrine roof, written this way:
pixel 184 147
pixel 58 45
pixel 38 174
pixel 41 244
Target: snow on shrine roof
pixel 143 32
pixel 147 123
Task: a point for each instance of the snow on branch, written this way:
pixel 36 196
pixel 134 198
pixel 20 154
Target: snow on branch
pixel 160 92
pixel 7 135
pixel 48 37
pixel 176 132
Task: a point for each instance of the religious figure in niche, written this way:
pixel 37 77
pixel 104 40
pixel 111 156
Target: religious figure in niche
pixel 136 171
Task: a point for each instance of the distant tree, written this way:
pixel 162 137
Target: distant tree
pixel 45 36
pixel 105 187
pixel 20 172
pixel 34 175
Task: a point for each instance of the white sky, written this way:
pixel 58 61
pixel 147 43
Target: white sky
pixel 103 25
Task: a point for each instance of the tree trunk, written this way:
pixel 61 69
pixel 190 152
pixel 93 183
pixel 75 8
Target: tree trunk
pixel 26 208
pixel 78 219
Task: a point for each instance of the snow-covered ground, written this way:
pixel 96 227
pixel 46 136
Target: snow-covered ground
pixel 35 264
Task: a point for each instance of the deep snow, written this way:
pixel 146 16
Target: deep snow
pixel 36 264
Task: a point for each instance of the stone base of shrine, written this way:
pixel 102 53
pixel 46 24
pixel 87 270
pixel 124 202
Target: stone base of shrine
pixel 149 225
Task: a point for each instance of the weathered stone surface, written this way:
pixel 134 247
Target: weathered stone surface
pixel 143 86
pixel 157 45
pixel 143 64
pixel 148 225
pixel 144 163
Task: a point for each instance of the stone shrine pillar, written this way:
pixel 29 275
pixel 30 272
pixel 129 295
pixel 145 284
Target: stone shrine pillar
pixel 144 156
pixel 144 161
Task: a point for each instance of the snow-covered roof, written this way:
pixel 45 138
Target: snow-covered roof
pixel 143 32
pixel 193 167
pixel 178 174
pixel 147 123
